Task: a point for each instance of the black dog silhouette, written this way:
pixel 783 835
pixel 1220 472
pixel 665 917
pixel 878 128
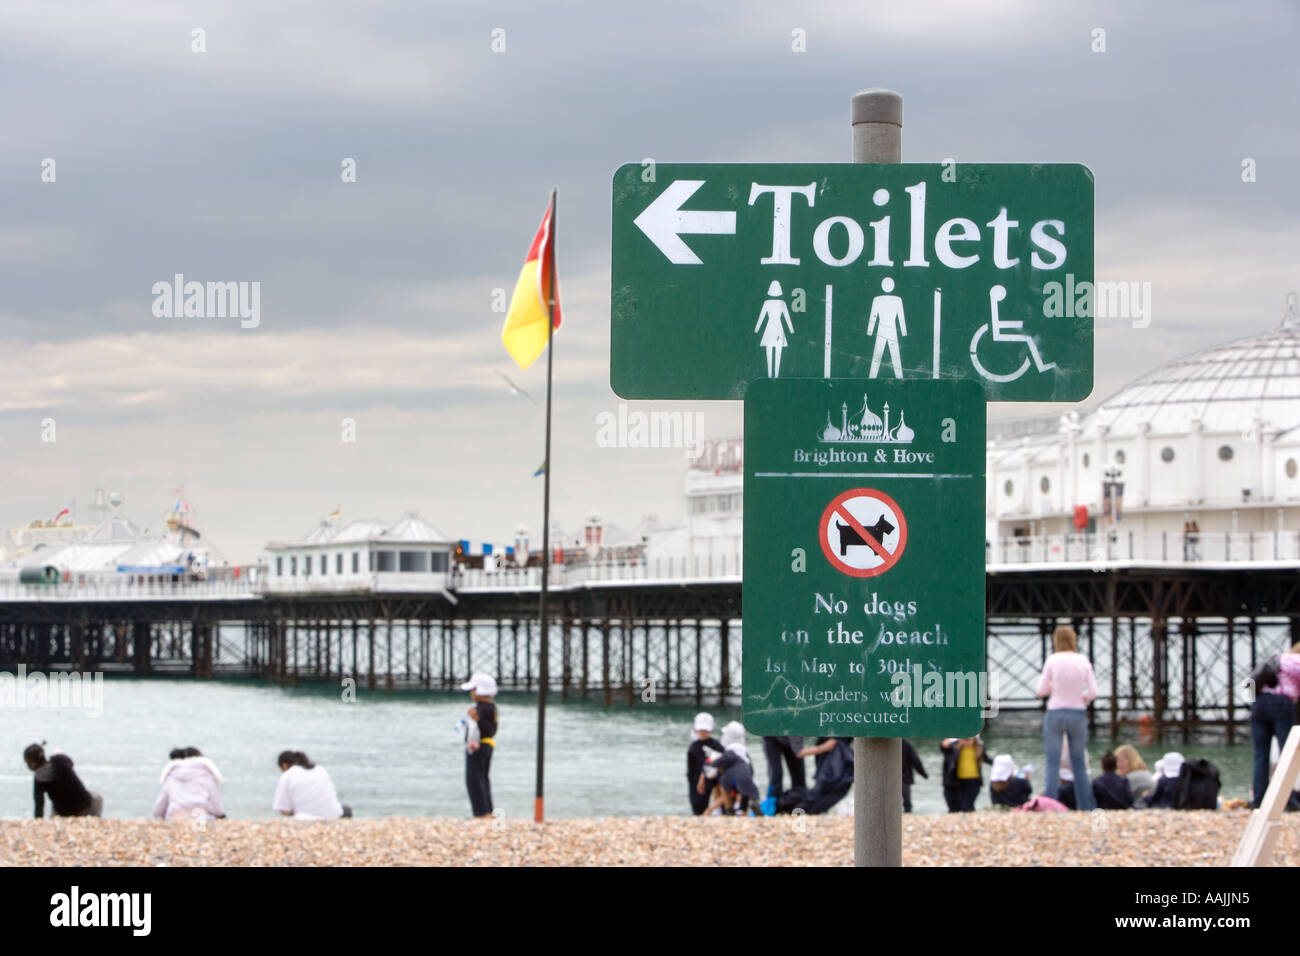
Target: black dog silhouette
pixel 849 537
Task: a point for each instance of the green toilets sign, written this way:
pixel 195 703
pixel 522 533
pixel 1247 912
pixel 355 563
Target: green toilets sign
pixel 723 275
pixel 864 559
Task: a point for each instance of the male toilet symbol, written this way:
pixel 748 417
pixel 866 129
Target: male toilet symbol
pixel 996 295
pixel 886 322
pixel 774 313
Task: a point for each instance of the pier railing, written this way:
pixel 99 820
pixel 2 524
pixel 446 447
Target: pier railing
pixel 1121 546
pixel 219 584
pixel 679 569
pixel 1118 548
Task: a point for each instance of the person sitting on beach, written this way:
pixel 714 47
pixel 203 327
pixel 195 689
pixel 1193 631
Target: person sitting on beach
pixel 1129 764
pixel 832 777
pixel 305 791
pixel 1110 790
pixel 702 746
pixel 962 779
pixel 191 788
pixel 1169 768
pixel 733 773
pixel 54 776
pixel 1008 785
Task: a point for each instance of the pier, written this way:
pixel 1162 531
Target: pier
pixel 1172 641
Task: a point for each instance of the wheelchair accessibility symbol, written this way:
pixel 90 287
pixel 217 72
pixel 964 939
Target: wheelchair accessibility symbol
pixel 1005 330
pixel 863 532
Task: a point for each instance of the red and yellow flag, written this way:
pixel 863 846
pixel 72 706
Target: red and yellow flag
pixel 525 332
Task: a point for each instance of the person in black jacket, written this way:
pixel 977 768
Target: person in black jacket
pixel 56 778
pixel 962 779
pixel 697 755
pixel 480 745
pixel 911 761
pixel 1111 791
pixel 832 779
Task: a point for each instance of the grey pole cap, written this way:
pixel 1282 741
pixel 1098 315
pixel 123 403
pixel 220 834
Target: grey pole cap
pixel 877 106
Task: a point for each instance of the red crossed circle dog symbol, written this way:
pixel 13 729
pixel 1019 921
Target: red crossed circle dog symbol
pixel 863 532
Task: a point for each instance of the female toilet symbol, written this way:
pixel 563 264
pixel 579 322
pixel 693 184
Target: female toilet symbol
pixel 774 312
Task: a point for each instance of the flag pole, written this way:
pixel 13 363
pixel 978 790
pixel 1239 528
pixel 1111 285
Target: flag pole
pixel 545 675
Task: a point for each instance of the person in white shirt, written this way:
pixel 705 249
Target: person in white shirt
pixel 305 791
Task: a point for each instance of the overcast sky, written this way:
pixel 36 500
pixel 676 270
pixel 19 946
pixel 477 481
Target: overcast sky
pixel 376 296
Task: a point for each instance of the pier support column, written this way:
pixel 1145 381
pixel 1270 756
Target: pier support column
pixel 566 667
pixel 388 655
pixel 1189 631
pixel 514 653
pixel 724 656
pixel 586 630
pixel 140 646
pixel 1230 638
pixel 604 661
pixel 699 675
pixel 628 634
pixel 1159 672
pixel 370 656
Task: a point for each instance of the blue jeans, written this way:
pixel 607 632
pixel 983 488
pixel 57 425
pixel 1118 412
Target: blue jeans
pixel 1271 715
pixel 1070 722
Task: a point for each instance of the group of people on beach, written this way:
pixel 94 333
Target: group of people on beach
pixel 190 787
pixel 1125 783
pixel 191 783
pixel 720 774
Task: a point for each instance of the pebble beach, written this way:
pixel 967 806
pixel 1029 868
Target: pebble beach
pixel 987 838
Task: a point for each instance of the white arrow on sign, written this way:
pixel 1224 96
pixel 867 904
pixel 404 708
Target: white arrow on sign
pixel 664 221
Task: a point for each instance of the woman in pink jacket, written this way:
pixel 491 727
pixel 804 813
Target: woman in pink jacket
pixel 1068 684
pixel 191 788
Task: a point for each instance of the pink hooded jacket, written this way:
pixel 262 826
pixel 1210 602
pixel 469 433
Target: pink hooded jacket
pixel 189 785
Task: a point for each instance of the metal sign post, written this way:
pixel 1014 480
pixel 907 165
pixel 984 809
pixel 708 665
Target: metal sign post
pixel 877 120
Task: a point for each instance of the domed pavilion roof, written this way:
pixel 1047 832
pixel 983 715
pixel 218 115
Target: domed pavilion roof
pixel 1225 387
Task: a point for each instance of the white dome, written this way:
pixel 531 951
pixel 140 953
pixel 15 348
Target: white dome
pixel 1226 388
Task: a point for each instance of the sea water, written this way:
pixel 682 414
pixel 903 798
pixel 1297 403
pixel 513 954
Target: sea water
pixel 399 754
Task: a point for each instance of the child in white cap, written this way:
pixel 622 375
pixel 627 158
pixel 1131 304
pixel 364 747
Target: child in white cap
pixel 733 773
pixel 1008 787
pixel 480 742
pixel 702 747
pixel 1169 768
